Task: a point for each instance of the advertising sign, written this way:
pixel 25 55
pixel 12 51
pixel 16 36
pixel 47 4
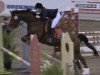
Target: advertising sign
pixel 87 6
pixel 6 5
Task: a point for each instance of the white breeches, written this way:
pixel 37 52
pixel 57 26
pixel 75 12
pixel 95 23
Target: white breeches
pixel 55 20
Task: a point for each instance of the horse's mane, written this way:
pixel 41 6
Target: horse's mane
pixel 23 11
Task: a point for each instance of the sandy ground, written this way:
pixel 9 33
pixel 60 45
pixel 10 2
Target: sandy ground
pixel 92 61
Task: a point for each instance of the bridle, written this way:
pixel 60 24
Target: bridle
pixel 13 22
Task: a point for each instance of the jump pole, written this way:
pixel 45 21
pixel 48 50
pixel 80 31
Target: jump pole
pixel 15 56
pixel 67 55
pixel 94 37
pixel 90 32
pixel 2 70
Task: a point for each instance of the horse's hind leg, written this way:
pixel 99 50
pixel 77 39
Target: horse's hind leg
pixel 77 63
pixel 86 70
pixel 79 56
pixel 77 53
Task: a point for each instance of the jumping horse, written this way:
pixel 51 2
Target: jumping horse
pixel 35 26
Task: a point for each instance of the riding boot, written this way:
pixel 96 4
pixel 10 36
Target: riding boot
pixel 52 34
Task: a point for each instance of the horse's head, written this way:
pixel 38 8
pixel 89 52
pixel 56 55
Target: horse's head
pixel 17 16
pixel 14 21
pixel 34 24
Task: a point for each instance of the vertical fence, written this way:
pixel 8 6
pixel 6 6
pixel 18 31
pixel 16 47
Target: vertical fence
pixel 35 56
pixel 2 70
pixel 67 54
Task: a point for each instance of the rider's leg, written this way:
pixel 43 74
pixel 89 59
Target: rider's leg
pixel 51 34
pixel 54 23
pixel 55 20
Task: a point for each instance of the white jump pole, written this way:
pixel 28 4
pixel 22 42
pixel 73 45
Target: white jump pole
pixel 15 56
pixel 93 36
pixel 57 61
pixel 90 32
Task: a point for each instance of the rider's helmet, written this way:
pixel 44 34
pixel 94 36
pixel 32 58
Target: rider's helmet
pixel 38 6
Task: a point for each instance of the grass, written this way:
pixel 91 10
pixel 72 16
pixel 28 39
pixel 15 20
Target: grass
pixel 53 70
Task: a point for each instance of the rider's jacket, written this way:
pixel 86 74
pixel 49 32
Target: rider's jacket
pixel 48 13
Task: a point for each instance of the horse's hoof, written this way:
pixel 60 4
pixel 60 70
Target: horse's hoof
pixel 86 71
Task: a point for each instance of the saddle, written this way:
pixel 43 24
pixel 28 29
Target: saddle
pixel 57 30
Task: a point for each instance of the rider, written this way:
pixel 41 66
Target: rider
pixel 48 13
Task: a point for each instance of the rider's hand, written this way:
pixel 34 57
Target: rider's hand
pixel 37 16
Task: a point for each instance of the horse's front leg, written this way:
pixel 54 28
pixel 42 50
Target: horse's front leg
pixel 26 38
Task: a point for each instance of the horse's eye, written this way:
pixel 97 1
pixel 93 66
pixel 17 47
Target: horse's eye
pixel 15 17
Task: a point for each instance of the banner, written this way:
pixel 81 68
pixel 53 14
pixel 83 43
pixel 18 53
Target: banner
pixel 6 5
pixel 87 6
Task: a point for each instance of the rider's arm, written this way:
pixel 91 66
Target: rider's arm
pixel 43 15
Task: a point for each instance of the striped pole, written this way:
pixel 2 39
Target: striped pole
pixel 2 70
pixel 94 42
pixel 15 56
pixel 96 35
pixel 93 36
pixel 90 32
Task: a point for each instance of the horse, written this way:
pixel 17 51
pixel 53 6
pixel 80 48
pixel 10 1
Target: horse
pixel 35 26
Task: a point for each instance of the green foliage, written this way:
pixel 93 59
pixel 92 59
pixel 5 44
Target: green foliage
pixel 8 43
pixel 53 70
